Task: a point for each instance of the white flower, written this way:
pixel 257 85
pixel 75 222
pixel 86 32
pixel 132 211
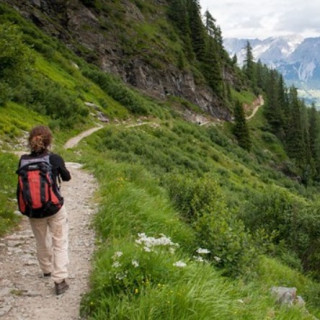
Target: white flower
pixel 147 249
pixel 198 258
pixel 203 251
pixel 116 264
pixel 180 264
pixel 135 263
pixel 217 258
pixel 120 276
pixel 153 242
pixel 172 250
pixel 117 254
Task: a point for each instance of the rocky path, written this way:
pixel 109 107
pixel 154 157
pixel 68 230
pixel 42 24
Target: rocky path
pixel 24 295
pixel 259 103
pixel 75 140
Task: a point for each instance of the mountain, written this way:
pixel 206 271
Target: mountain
pixel 130 40
pixel 189 225
pixel 296 58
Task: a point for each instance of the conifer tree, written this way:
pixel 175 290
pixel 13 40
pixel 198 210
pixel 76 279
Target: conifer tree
pixel 275 99
pixel 179 15
pixel 249 66
pixel 314 131
pixel 295 135
pixel 260 75
pixel 240 129
pixel 211 66
pixel 197 29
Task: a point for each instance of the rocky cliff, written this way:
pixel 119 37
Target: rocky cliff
pixel 111 34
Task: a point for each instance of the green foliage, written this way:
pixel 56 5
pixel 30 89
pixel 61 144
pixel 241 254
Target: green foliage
pixel 8 178
pixel 139 284
pixel 15 60
pixel 118 91
pixel 51 99
pixel 201 203
pixel 294 226
pixel 15 119
pixel 240 129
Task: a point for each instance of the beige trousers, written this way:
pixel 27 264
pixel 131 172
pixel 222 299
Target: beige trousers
pixel 52 244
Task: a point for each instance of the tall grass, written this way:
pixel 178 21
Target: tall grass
pixel 133 280
pixel 8 178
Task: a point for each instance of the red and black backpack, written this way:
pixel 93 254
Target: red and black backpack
pixel 38 194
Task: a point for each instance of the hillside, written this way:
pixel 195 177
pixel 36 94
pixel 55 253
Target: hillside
pixel 297 59
pixel 191 223
pixel 131 39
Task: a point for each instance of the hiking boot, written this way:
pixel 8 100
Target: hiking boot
pixel 61 287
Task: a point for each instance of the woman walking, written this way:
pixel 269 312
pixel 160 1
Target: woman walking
pixel 39 198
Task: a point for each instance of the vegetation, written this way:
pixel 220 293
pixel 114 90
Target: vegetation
pixel 194 222
pixel 8 165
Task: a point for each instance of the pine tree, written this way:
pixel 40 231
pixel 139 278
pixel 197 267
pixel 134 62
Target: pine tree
pixel 178 13
pixel 295 133
pixel 314 131
pixel 197 29
pixel 275 100
pixel 249 66
pixel 211 66
pixel 240 129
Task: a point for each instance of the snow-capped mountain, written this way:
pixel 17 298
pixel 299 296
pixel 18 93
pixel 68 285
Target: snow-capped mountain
pixel 296 58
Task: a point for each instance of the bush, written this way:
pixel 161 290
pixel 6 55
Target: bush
pixel 49 98
pixel 201 203
pixel 15 60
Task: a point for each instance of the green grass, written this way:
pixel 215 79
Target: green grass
pixel 8 204
pixel 137 284
pixel 14 119
pixel 243 96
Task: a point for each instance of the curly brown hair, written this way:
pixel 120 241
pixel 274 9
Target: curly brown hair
pixel 40 138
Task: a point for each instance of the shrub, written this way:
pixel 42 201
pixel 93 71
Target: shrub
pixel 201 203
pixel 15 60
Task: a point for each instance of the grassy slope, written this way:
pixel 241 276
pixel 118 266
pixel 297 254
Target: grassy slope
pixel 133 202
pixel 132 166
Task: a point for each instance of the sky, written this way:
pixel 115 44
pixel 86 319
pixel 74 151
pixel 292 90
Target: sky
pixel 251 19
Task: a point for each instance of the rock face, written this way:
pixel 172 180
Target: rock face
pixel 89 33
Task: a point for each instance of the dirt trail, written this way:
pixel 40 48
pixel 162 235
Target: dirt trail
pixel 260 103
pixel 75 140
pixel 24 295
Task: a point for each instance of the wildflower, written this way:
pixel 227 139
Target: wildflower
pixel 217 258
pixel 136 291
pixel 179 264
pixel 172 250
pixel 147 249
pixel 153 242
pixel 198 258
pixel 121 276
pixel 135 263
pixel 117 254
pixel 203 251
pixel 116 264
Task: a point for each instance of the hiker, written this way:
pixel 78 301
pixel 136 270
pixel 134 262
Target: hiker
pixel 39 198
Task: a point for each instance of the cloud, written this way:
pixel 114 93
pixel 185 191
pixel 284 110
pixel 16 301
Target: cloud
pixel 253 19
